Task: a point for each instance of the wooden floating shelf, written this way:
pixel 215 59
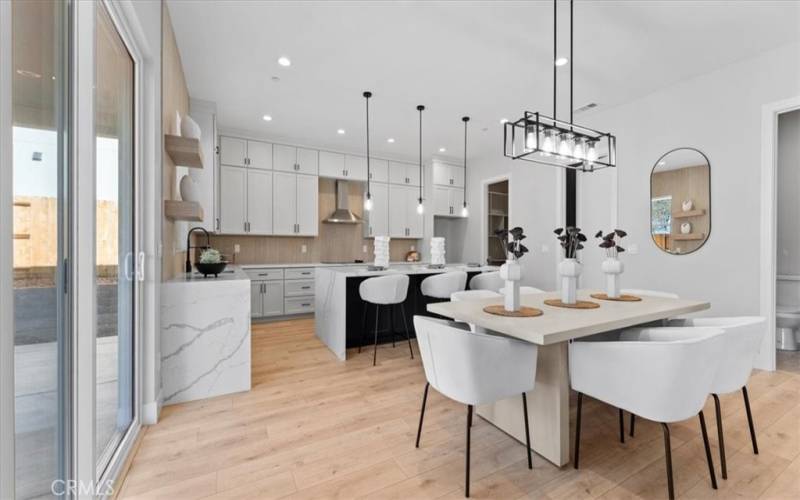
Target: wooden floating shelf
pixel 689 213
pixel 22 236
pixel 183 210
pixel 22 204
pixel 184 151
pixel 688 237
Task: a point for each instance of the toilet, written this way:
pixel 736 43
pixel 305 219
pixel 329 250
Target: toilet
pixel 787 313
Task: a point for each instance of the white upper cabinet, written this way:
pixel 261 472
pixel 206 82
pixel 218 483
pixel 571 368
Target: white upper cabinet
pixel 404 221
pixel 307 205
pixel 377 219
pixel 448 201
pixel 378 170
pixel 232 152
pixel 299 160
pixel 259 202
pixel 404 173
pixel 296 209
pixel 448 175
pixel 307 161
pixel 331 165
pixel 259 155
pixel 207 178
pixel 355 167
pixel 233 200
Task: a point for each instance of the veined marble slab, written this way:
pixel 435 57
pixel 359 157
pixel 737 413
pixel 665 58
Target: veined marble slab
pixel 205 338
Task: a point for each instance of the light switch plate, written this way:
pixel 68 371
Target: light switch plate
pixel 303 249
pixel 364 249
pixel 237 248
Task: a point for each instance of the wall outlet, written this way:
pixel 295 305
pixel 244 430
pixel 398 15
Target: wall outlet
pixel 237 248
pixel 364 248
pixel 633 249
pixel 303 249
pixel 413 247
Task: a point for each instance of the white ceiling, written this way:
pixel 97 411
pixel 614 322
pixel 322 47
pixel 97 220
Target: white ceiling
pixel 489 60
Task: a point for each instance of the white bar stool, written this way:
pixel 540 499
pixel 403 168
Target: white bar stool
pixel 474 369
pixel 486 281
pixel 384 291
pixel 442 286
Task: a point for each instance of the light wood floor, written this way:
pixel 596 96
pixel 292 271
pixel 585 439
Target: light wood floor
pixel 314 427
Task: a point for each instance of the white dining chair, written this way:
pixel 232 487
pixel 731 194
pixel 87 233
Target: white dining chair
pixel 383 291
pixel 743 337
pixel 486 281
pixel 442 286
pixel 662 381
pixel 473 369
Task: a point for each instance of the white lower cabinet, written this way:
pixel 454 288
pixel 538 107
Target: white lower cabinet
pixel 448 201
pixel 281 292
pixel 404 221
pixel 266 298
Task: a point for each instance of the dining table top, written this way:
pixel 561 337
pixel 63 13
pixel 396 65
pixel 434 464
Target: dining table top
pixel 559 324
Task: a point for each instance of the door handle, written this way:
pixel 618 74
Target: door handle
pixel 127 266
pixel 305 288
pixel 140 267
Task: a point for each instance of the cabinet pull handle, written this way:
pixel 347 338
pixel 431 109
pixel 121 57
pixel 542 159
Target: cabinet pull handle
pixel 263 274
pixel 305 288
pixel 305 273
pixel 306 304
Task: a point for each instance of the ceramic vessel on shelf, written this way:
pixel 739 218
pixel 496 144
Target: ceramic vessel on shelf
pixel 612 268
pixel 686 228
pixel 190 128
pixel 569 270
pixel 687 205
pixel 188 188
pixel 511 272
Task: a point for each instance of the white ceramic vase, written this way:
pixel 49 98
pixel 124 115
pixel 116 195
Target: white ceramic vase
pixel 687 205
pixel 511 272
pixel 190 128
pixel 612 268
pixel 569 270
pixel 189 189
pixel 686 228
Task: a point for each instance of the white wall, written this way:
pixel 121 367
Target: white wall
pixel 720 114
pixel 788 237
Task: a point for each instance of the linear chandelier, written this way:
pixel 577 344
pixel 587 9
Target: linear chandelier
pixel 545 139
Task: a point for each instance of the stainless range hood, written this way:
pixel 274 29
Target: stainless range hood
pixel 342 214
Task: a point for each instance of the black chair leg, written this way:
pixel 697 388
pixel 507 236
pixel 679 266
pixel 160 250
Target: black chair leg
pixel 408 332
pixel 391 324
pixel 621 427
pixel 375 349
pixel 633 420
pixel 668 459
pixel 422 412
pixel 363 326
pixel 720 438
pixel 750 420
pixel 708 451
pixel 527 430
pixel 578 432
pixel 469 426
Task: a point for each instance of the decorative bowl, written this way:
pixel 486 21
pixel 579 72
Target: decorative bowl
pixel 210 268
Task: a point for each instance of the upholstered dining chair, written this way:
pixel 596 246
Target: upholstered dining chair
pixel 662 381
pixel 474 368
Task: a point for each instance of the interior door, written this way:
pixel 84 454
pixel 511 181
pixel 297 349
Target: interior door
pixel 232 151
pixel 233 199
pixel 259 201
pixel 397 211
pixel 284 205
pixel 259 155
pixel 307 205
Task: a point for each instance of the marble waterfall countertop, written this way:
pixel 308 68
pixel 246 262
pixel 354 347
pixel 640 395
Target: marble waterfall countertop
pixel 408 268
pixel 205 336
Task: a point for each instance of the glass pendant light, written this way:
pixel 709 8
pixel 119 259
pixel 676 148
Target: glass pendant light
pixel 420 205
pixel 549 143
pixel 368 198
pixel 591 151
pixel 580 148
pixel 565 147
pixel 464 210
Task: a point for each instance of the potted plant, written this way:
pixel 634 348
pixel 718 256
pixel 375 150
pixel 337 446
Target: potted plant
pixel 511 271
pixel 210 262
pixel 570 269
pixel 612 266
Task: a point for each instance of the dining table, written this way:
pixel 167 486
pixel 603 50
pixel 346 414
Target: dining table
pixel 552 331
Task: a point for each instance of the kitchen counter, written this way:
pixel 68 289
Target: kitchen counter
pixel 205 336
pixel 339 310
pixel 320 264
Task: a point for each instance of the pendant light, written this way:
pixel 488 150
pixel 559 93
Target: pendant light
pixel 550 141
pixel 368 198
pixel 420 206
pixel 464 211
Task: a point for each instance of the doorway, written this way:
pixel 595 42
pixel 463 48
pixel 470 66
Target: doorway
pixel 496 220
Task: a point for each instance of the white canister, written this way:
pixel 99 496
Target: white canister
pixel 569 270
pixel 190 128
pixel 511 272
pixel 687 205
pixel 612 268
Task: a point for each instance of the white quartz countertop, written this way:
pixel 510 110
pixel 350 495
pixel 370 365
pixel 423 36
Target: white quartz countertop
pixel 231 273
pixel 363 269
pixel 318 264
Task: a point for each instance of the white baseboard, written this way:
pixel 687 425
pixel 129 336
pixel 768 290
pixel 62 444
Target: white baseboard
pixel 152 410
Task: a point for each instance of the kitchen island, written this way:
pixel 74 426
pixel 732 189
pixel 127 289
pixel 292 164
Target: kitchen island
pixel 340 312
pixel 205 336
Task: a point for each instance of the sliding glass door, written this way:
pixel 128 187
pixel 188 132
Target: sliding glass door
pixel 116 256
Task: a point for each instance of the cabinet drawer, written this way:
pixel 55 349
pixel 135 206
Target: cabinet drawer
pixel 297 288
pixel 299 273
pixel 264 274
pixel 299 305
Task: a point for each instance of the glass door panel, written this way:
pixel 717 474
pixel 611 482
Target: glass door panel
pixel 39 170
pixel 115 237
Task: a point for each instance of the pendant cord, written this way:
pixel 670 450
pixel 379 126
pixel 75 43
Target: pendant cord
pixel 367 95
pixel 571 59
pixel 465 119
pixel 555 55
pixel 420 108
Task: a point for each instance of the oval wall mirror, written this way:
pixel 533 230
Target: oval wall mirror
pixel 680 201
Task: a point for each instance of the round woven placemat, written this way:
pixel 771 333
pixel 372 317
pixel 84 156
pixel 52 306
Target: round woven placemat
pixel 524 312
pixel 581 304
pixel 621 298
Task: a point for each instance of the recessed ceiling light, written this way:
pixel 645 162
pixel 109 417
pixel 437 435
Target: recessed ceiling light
pixel 340 131
pixel 284 61
pixel 442 150
pixel 275 79
pixel 266 118
pixel 503 121
pixel 390 140
pixel 561 61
